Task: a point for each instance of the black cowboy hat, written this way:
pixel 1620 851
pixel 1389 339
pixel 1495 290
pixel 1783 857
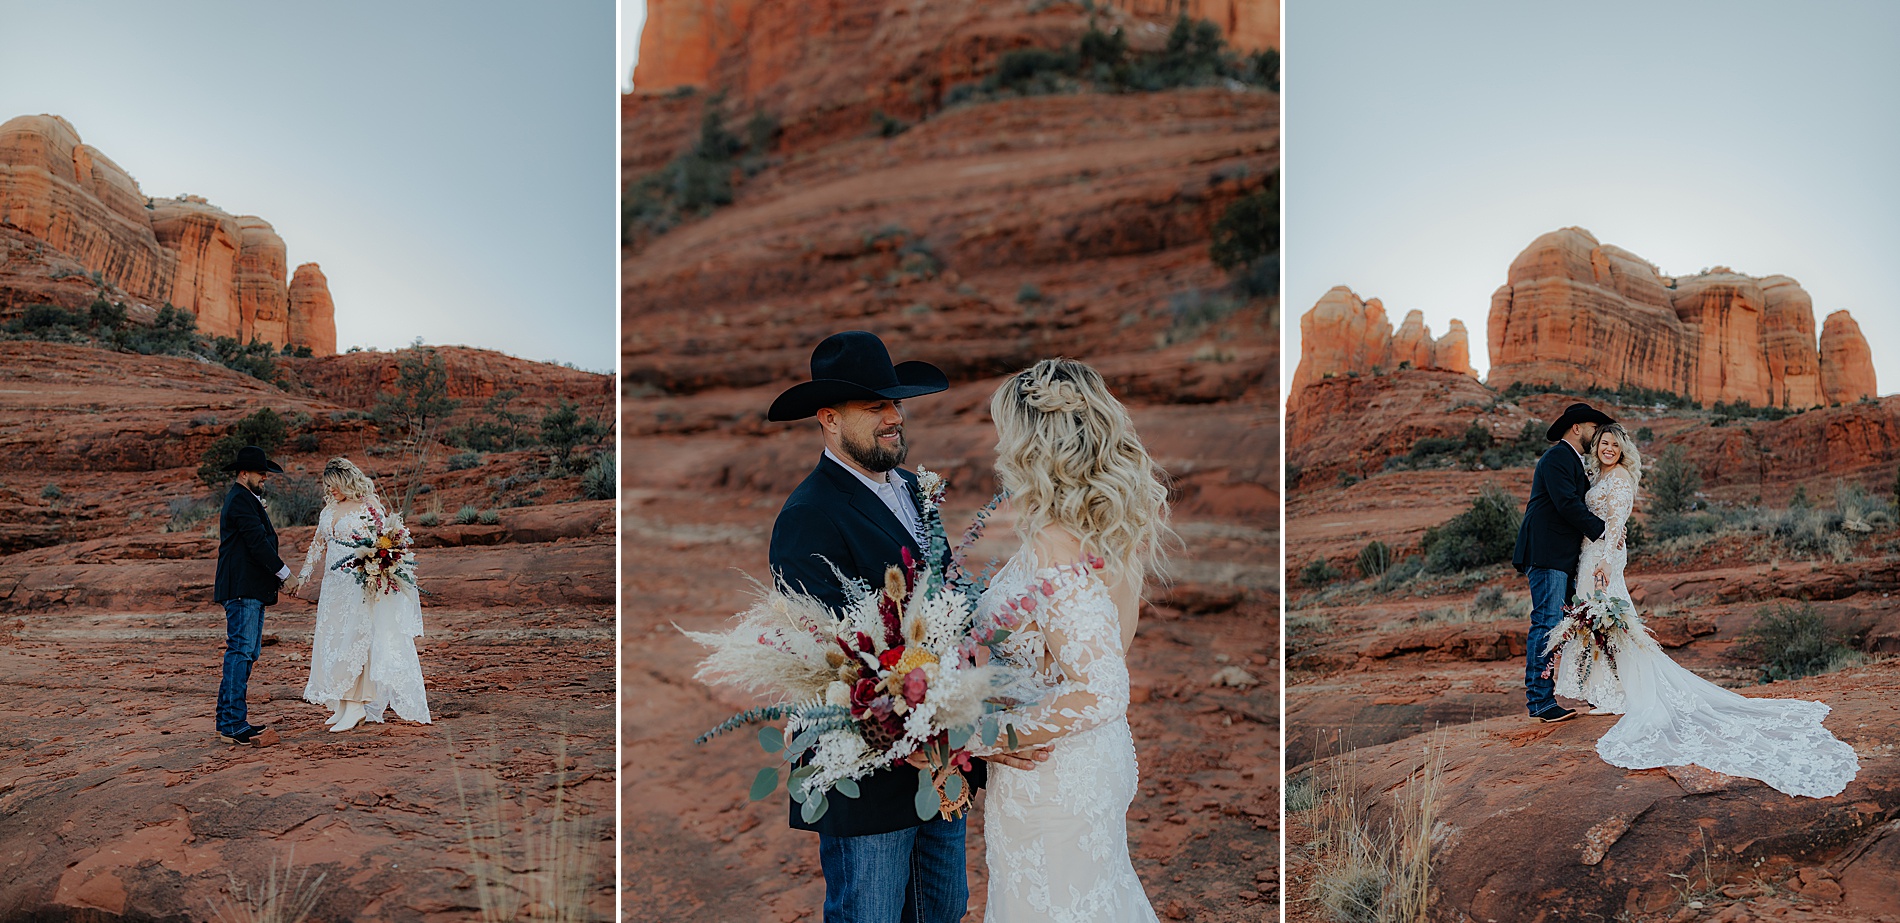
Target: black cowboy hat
pixel 252 458
pixel 855 366
pixel 1579 412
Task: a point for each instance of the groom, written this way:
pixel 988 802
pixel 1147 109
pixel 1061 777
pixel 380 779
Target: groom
pixel 858 511
pixel 249 573
pixel 1549 541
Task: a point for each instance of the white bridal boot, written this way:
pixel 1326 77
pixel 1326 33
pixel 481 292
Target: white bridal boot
pixel 349 717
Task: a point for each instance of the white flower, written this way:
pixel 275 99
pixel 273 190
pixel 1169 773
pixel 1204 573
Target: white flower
pixel 838 693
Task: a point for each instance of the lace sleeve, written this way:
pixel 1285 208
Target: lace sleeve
pixel 1622 494
pixel 1083 632
pixel 318 540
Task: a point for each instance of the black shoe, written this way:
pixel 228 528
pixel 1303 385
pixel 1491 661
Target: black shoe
pixel 246 737
pixel 1554 713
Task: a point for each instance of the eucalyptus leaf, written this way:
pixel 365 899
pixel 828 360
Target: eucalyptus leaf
pixel 765 783
pixel 813 809
pixel 990 730
pixel 999 636
pixel 772 739
pixel 803 741
pixel 1015 743
pixel 959 738
pixel 927 800
pixel 847 788
pixel 953 786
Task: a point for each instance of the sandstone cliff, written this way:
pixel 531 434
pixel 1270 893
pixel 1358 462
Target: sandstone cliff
pixel 79 209
pixel 1584 314
pixel 1343 335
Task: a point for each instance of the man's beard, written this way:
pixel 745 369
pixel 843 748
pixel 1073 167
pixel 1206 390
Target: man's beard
pixel 874 455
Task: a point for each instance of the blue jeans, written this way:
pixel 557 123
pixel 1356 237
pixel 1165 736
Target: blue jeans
pixel 1550 591
pixel 243 639
pixel 913 875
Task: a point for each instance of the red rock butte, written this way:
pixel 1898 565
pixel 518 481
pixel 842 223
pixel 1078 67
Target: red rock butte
pixel 67 212
pixel 1580 314
pixel 1342 334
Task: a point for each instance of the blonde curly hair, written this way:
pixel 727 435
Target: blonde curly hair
pixel 342 475
pixel 1631 458
pixel 1067 453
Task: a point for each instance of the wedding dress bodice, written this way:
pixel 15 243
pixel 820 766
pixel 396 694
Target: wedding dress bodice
pixel 1057 835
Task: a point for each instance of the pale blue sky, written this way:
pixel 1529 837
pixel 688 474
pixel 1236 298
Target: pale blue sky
pixel 1427 144
pixel 451 165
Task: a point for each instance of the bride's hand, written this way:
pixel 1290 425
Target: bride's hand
pixel 1026 758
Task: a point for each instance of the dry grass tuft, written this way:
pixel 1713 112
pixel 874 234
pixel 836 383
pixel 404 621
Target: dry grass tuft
pixel 291 898
pixel 526 865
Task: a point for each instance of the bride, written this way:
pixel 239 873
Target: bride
pixel 1092 515
pixel 363 653
pixel 1672 717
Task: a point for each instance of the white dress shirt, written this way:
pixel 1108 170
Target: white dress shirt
pixel 895 494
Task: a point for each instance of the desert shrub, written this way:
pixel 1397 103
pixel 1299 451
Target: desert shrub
pixel 1300 795
pixel 563 430
pixel 1628 395
pixel 1029 293
pixel 1375 559
pixel 51 492
pixel 264 428
pixel 294 500
pixel 1645 435
pixel 188 512
pixel 426 519
pixel 886 125
pixel 462 461
pixel 256 358
pixel 1671 526
pixel 1248 229
pixel 1479 536
pixel 1191 312
pixel 489 517
pixel 698 181
pixel 1318 572
pixel 600 481
pixel 1790 643
pixel 1671 482
pixel 1031 71
pixel 499 430
pixel 1402 572
pixel 172 333
pixel 467 515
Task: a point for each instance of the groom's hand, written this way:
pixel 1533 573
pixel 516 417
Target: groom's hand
pixel 1026 758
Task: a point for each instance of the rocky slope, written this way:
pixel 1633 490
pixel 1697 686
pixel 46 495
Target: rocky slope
pixel 124 805
pixel 69 214
pixel 981 238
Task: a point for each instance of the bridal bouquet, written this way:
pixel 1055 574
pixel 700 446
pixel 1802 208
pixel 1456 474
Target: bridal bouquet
pixel 894 672
pixel 1599 624
pixel 380 559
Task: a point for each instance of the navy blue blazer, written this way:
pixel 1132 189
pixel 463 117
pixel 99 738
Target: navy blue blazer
pixel 833 516
pixel 247 550
pixel 1556 521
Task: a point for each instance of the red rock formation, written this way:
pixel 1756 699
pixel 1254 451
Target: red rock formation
pixel 263 297
pixel 1847 364
pixel 312 313
pixel 83 208
pixel 1250 25
pixel 1582 314
pixel 1343 335
pixel 206 240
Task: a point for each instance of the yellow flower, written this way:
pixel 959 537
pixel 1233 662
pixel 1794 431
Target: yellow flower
pixel 913 658
pixel 384 541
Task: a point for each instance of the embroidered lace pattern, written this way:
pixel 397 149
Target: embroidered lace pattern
pixel 1056 837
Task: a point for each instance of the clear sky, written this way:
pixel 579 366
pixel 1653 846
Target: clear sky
pixel 1427 144
pixel 450 164
pixel 633 15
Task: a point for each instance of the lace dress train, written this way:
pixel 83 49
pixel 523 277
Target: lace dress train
pixel 1671 716
pixel 363 648
pixel 1056 837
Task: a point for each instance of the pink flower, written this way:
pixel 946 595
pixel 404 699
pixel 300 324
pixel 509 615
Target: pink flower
pixel 914 686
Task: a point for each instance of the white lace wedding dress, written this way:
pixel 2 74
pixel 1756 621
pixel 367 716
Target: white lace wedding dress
pixel 1672 717
pixel 363 649
pixel 1056 837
